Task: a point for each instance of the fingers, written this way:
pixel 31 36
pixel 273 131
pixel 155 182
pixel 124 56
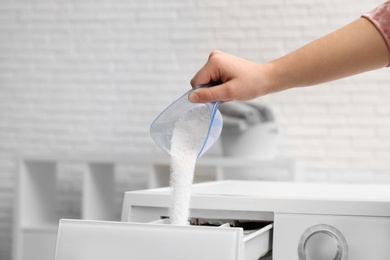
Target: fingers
pixel 239 79
pixel 210 71
pixel 202 76
pixel 220 92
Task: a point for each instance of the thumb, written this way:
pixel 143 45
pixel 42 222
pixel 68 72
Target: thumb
pixel 211 94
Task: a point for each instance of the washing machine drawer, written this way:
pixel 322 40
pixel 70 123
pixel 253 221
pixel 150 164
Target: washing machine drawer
pixel 330 237
pixel 98 240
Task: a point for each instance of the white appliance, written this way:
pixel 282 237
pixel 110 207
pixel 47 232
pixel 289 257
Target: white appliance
pixel 290 221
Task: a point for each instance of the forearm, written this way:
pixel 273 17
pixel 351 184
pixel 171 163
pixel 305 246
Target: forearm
pixel 355 48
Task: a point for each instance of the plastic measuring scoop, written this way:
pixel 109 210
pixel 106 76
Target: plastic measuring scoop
pixel 162 127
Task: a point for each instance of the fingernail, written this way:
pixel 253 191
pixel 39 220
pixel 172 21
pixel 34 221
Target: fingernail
pixel 194 97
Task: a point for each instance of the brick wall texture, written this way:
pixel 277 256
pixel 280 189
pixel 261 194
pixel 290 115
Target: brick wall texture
pixel 84 77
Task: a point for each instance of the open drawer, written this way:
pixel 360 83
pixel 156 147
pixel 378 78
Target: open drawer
pixel 101 240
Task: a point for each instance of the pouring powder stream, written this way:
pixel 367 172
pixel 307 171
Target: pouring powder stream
pixel 188 137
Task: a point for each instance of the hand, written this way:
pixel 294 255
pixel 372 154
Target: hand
pixel 240 79
pixel 353 49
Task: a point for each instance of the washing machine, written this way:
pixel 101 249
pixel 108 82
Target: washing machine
pixel 241 220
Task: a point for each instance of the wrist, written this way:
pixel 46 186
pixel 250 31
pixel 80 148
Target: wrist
pixel 270 78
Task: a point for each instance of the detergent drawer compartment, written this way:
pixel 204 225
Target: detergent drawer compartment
pixel 100 240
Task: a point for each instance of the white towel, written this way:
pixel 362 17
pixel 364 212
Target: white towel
pixel 241 110
pixel 267 115
pixel 234 124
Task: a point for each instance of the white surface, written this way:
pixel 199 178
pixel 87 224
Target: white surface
pixel 296 190
pixel 288 197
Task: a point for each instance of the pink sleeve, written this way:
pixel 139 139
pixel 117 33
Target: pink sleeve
pixel 380 17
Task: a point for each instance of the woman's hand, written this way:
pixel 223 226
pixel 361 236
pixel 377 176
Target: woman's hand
pixel 240 79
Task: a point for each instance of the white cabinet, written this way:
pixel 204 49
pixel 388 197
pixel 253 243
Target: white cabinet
pixel 36 215
pixel 36 204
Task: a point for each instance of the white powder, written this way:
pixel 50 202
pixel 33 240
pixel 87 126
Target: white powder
pixel 188 137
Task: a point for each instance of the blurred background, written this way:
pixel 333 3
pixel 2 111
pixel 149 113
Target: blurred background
pixel 86 78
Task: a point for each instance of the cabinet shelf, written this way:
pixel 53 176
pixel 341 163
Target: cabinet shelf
pixel 40 229
pixel 36 210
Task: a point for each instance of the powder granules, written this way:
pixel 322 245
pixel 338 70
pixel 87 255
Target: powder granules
pixel 188 137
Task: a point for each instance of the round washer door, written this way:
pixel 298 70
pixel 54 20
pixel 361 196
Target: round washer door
pixel 322 242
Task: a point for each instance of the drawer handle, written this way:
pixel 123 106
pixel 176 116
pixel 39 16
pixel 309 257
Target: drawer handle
pixel 322 242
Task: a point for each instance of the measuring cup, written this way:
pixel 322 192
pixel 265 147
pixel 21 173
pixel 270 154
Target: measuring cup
pixel 162 127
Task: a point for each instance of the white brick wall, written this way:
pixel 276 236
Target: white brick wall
pixel 84 77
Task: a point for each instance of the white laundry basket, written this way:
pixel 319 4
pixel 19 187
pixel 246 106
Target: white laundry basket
pixel 257 142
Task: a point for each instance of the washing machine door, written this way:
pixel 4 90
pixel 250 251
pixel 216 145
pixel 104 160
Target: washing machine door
pixel 330 237
pixel 322 242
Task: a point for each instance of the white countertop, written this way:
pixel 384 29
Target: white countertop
pixel 296 190
pixel 288 197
